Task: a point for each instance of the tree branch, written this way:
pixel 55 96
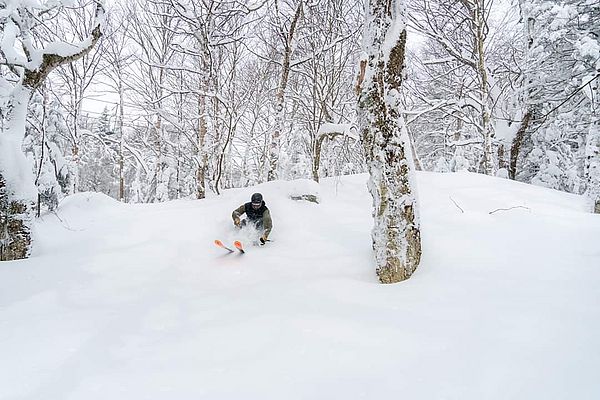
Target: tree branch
pixel 34 78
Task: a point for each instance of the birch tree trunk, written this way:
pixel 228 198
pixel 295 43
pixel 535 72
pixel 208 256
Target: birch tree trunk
pixel 17 189
pixel 162 179
pixel 531 110
pixel 279 97
pixel 479 21
pixel 74 162
pixel 396 235
pixel 121 142
pixel 205 87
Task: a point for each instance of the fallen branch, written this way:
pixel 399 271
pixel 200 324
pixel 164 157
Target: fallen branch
pixel 456 204
pixel 65 224
pixel 510 208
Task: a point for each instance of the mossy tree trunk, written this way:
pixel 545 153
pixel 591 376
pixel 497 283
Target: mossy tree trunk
pixel 396 235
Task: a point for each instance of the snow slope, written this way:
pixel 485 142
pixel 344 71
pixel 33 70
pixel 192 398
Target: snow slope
pixel 135 302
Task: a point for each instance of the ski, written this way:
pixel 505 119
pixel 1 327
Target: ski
pixel 221 245
pixel 238 245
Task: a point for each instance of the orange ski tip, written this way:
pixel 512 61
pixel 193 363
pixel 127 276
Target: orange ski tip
pixel 237 244
pixel 218 242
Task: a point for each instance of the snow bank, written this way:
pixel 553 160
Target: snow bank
pixel 88 203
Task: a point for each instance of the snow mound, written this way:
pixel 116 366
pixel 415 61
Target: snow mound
pixel 304 189
pixel 87 202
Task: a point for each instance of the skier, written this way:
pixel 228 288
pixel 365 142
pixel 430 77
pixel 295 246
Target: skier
pixel 257 214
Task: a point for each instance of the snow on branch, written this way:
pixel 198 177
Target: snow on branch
pixel 466 142
pixel 323 50
pixel 16 46
pixel 438 61
pixel 331 129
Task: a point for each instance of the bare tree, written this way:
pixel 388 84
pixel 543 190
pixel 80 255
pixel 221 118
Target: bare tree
pixel 321 86
pixel 286 35
pixel 153 29
pixel 460 29
pixel 74 81
pixel 213 29
pixel 117 60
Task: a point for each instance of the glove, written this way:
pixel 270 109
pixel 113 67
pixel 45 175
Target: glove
pixel 236 222
pixel 263 240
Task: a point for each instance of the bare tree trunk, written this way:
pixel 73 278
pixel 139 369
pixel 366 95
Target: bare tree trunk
pixel 517 142
pixel 280 95
pixel 17 196
pixel 75 159
pixel 413 151
pixel 531 110
pixel 223 152
pixel 205 86
pixel 317 158
pixel 15 220
pixel 121 141
pixel 396 235
pixel 486 126
pixel 502 163
pixel 162 183
pixel 43 151
pixel 202 156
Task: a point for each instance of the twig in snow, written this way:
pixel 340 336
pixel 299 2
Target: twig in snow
pixel 456 204
pixel 510 208
pixel 65 224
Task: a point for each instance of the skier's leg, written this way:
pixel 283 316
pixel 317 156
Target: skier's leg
pixel 260 229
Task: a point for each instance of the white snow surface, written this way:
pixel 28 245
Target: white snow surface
pixel 135 302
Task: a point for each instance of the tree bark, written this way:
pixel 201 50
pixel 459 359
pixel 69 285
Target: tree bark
pixel 317 158
pixel 486 126
pixel 517 142
pixel 396 235
pixel 15 233
pixel 201 156
pixel 17 196
pixel 121 142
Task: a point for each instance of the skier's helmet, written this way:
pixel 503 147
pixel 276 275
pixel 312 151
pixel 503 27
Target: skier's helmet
pixel 257 200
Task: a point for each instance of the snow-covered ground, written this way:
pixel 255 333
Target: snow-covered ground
pixel 135 302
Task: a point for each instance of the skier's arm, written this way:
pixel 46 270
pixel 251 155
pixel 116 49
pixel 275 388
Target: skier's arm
pixel 237 213
pixel 267 224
